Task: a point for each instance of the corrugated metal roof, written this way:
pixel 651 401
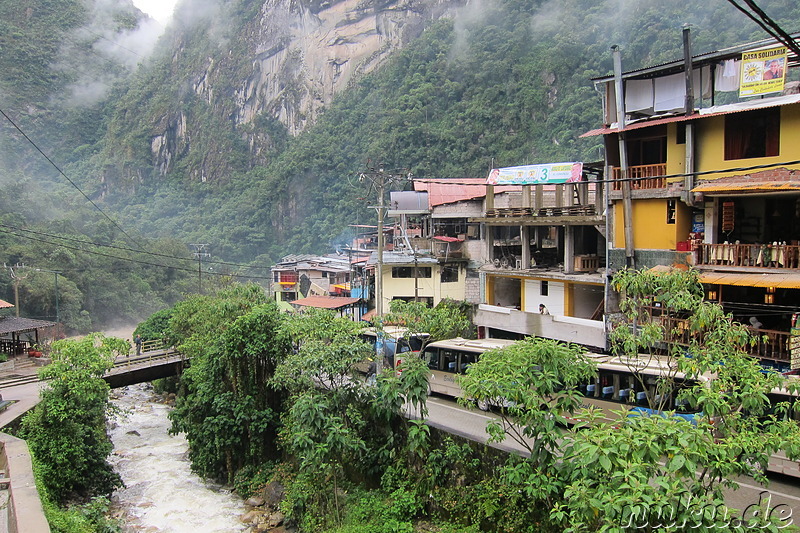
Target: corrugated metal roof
pixel 441 192
pixel 748 186
pixel 325 302
pixel 697 60
pixel 4 304
pixel 781 280
pixel 16 325
pixel 703 113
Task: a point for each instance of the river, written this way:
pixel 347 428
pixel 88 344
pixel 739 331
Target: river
pixel 161 493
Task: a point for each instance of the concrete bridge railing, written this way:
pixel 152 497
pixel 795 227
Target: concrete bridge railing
pixel 23 510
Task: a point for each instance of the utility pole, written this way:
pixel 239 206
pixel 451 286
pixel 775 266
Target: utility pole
pixel 16 278
pixel 380 179
pixel 200 252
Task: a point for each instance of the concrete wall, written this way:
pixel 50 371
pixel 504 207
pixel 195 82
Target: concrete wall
pixel 24 511
pixel 569 329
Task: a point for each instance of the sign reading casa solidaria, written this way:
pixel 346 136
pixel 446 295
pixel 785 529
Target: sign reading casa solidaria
pixel 763 71
pixel 536 174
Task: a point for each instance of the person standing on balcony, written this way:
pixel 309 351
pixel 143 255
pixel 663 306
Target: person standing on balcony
pixel 543 310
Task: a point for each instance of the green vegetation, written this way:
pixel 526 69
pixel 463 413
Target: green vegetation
pixel 66 433
pixel 508 87
pixel 350 462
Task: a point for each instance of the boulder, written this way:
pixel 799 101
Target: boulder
pixel 255 501
pixel 275 519
pixel 272 494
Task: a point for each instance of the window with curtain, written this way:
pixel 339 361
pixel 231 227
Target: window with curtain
pixel 752 134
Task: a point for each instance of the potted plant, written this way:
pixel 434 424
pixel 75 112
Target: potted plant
pixel 34 351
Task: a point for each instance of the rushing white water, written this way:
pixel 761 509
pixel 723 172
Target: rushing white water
pixel 162 494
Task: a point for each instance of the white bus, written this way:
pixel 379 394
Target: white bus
pixel 448 358
pixel 392 345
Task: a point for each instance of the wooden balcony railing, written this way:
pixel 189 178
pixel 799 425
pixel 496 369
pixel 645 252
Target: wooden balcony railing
pixel 748 255
pixel 770 345
pixel 642 176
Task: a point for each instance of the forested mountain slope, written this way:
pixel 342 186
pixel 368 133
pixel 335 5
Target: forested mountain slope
pixel 246 124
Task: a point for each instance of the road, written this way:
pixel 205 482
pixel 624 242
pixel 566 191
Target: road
pixel 782 494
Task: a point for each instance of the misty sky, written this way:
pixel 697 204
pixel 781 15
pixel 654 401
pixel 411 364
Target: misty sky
pixel 161 10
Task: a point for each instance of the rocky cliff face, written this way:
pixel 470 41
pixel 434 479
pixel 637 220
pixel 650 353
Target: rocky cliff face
pixel 300 54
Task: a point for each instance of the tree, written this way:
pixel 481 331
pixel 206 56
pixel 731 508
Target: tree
pixel 335 420
pixel 655 472
pixel 66 431
pixel 229 404
pixel 447 320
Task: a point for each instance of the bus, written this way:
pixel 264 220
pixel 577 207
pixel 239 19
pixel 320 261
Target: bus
pixel 393 345
pixel 447 359
pixel 644 385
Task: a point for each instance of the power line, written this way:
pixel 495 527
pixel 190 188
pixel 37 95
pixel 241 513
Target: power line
pixel 123 248
pixel 138 261
pixel 67 177
pixel 767 24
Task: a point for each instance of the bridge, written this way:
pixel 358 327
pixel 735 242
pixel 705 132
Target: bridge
pixel 20 508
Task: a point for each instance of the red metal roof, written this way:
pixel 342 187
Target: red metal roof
pixel 325 302
pixel 704 113
pixel 441 192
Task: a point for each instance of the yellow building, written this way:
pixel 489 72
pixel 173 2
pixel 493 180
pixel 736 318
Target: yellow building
pixel 712 179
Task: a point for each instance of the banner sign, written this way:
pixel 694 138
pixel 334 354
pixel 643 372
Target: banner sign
pixel 763 71
pixel 536 174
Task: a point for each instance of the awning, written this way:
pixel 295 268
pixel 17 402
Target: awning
pixel 778 280
pixel 447 239
pixel 21 325
pixel 342 286
pixel 747 186
pixel 703 113
pixel 326 302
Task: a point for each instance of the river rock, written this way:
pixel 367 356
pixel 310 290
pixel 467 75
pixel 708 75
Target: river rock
pixel 255 501
pixel 273 494
pixel 251 517
pixel 275 519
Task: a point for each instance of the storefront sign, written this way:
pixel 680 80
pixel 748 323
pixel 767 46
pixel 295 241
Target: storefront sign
pixel 763 72
pixel 536 174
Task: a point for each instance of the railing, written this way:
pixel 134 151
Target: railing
pixel 564 211
pixel 642 176
pixel 749 255
pixel 769 344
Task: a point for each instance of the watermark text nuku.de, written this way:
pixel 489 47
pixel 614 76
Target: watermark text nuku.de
pixel 692 514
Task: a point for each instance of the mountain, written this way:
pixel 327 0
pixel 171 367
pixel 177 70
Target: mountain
pixel 246 123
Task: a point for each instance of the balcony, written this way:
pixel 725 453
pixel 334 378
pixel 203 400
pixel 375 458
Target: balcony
pixel 778 256
pixel 564 328
pixel 770 345
pixel 642 176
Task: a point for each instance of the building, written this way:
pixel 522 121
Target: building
pixel 704 173
pixel 543 272
pixel 299 276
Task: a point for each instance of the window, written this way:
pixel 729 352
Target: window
pixel 671 211
pixel 408 272
pixel 450 360
pixel 288 296
pixel 449 274
pixel 432 357
pixel 543 288
pixel 752 134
